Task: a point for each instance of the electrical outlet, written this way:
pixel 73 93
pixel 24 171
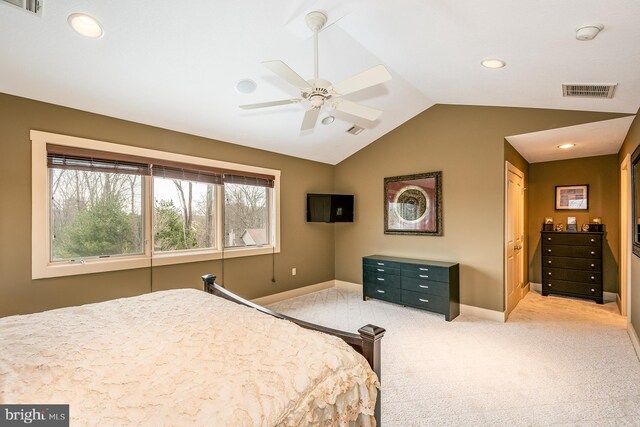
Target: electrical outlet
pixel 294 271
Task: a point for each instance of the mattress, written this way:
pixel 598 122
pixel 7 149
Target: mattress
pixel 183 358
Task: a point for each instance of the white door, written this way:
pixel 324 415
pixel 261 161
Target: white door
pixel 514 233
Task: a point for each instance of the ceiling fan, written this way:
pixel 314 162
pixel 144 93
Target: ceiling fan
pixel 318 91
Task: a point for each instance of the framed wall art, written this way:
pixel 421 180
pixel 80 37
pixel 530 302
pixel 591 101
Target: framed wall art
pixel 413 204
pixel 572 197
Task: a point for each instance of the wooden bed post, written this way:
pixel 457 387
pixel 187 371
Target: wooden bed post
pixel 371 336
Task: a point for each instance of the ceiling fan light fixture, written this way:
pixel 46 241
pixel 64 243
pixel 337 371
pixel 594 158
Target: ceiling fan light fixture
pixel 493 63
pixel 566 146
pixel 246 86
pixel 328 120
pixel 85 25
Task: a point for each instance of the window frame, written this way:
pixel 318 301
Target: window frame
pixel 43 267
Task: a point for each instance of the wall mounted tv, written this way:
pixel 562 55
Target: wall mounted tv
pixel 329 208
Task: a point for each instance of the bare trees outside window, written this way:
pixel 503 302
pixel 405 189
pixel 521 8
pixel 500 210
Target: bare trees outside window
pixel 246 215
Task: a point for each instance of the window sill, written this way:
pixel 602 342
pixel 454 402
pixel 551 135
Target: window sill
pixel 101 265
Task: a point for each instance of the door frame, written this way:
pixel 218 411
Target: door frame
pixel 624 304
pixel 523 291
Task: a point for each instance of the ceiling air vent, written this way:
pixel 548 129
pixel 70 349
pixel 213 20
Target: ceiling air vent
pixel 31 6
pixel 604 90
pixel 355 129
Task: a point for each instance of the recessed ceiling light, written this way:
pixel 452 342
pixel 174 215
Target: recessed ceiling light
pixel 565 146
pixel 493 63
pixel 246 86
pixel 328 120
pixel 588 32
pixel 85 25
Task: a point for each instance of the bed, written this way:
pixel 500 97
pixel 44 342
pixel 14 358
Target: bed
pixel 187 357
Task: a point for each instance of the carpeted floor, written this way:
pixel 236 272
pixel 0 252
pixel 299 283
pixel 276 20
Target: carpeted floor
pixel 557 361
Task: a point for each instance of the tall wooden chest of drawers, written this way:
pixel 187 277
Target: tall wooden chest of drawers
pixel 572 264
pixel 429 285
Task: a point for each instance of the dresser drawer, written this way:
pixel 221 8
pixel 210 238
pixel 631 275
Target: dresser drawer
pixel 381 263
pixel 381 279
pixel 575 263
pixel 425 272
pixel 385 270
pixel 571 251
pixel 425 286
pixel 373 290
pixel 566 286
pixel 429 302
pixel 572 275
pixel 572 239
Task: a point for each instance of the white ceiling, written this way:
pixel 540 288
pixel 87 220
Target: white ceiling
pixel 590 139
pixel 175 64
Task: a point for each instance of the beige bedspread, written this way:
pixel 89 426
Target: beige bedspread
pixel 182 358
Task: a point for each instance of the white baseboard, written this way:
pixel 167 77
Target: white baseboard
pixel 634 338
pixel 483 313
pixel 607 296
pixel 281 296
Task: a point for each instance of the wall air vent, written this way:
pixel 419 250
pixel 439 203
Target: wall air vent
pixel 604 90
pixel 31 6
pixel 355 129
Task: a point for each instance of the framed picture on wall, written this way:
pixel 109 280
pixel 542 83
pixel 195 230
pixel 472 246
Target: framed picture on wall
pixel 413 204
pixel 572 197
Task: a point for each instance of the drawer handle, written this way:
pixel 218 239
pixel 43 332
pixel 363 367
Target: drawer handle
pixel 381 269
pixel 593 240
pixel 548 262
pixel 593 290
pixel 549 273
pixel 423 269
pixel 549 251
pixel 380 278
pixel 424 276
pixel 379 291
pixel 593 253
pixel 424 286
pixel 381 263
pixel 549 238
pixel 423 300
pixel 592 265
pixel 593 278
pixel 549 285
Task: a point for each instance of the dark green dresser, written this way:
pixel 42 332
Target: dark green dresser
pixel 429 285
pixel 572 264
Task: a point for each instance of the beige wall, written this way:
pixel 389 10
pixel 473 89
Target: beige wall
pixel 466 143
pixel 308 247
pixel 516 159
pixel 630 143
pixel 601 173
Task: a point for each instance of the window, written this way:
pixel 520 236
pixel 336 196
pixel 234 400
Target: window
pixel 104 207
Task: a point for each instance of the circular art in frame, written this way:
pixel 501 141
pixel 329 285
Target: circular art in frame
pixel 413 204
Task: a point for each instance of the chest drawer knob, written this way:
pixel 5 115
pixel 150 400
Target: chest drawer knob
pixel 380 278
pixel 593 278
pixel 423 300
pixel 379 291
pixel 593 290
pixel 549 251
pixel 549 262
pixel 549 239
pixel 549 285
pixel 549 273
pixel 424 286
pixel 593 265
pixel 423 269
pixel 381 263
pixel 593 240
pixel 424 276
pixel 593 253
pixel 381 269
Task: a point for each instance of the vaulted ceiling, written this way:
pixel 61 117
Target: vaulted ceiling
pixel 176 64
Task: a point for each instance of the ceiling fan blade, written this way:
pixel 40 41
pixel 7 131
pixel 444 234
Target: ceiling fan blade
pixel 286 73
pixel 310 119
pixel 270 104
pixel 371 77
pixel 357 109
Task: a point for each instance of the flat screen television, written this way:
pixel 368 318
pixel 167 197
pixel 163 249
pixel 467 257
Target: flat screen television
pixel 329 207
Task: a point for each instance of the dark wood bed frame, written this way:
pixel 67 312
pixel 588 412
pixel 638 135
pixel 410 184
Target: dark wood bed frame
pixel 366 343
